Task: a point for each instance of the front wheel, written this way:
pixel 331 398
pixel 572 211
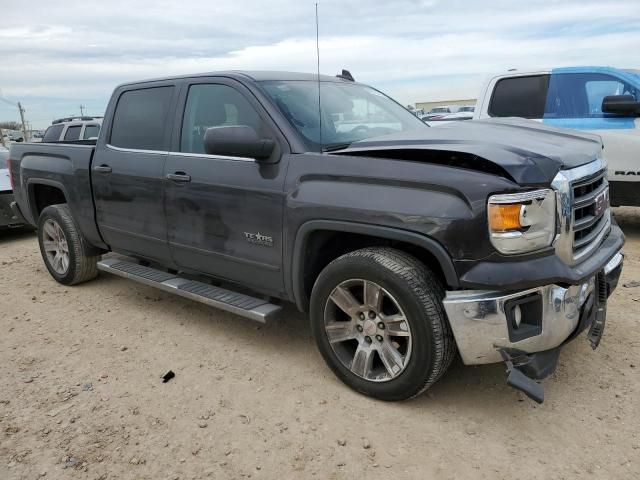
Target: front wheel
pixel 378 320
pixel 65 252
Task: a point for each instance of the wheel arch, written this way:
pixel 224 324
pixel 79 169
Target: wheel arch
pixel 44 192
pixel 315 234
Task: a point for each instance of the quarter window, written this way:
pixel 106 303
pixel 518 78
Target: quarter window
pixel 140 119
pixel 214 105
pixel 519 97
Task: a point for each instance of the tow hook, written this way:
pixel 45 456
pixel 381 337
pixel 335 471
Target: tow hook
pixel 525 369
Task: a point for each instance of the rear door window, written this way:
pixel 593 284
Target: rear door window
pixel 140 119
pixel 53 133
pixel 73 133
pixel 520 97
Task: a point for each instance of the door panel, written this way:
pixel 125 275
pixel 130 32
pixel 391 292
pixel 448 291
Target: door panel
pixel 129 207
pixel 226 220
pixel 212 220
pixel 128 173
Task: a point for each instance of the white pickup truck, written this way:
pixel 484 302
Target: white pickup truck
pixel 602 100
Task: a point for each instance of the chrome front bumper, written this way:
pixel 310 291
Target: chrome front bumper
pixel 480 324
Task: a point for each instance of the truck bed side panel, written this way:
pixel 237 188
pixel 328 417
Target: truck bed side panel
pixel 63 166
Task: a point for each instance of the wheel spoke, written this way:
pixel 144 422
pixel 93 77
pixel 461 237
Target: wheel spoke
pixel 49 246
pixel 57 260
pixel 50 230
pixel 345 300
pixel 391 359
pixel 372 296
pixel 65 262
pixel 340 331
pixel 362 361
pixel 396 326
pixel 59 233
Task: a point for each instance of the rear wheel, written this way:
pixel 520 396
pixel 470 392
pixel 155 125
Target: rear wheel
pixel 378 320
pixel 65 252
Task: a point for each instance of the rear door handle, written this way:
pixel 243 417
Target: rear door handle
pixel 102 169
pixel 180 177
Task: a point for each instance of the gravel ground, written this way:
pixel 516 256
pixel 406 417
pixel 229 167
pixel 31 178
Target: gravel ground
pixel 81 395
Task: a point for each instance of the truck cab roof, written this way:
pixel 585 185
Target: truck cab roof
pixel 255 75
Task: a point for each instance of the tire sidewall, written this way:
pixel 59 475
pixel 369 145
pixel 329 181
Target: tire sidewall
pixel 53 212
pixel 420 365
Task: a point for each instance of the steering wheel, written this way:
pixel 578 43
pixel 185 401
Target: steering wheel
pixel 361 129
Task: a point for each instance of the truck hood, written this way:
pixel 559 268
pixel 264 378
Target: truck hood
pixel 526 151
pixel 5 183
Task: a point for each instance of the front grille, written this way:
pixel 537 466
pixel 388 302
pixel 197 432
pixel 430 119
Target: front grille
pixel 590 211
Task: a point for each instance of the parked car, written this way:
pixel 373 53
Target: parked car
pixel 403 243
pixel 451 117
pixel 436 112
pixel 601 100
pixel 73 129
pixel 466 108
pixel 8 218
pixel 14 136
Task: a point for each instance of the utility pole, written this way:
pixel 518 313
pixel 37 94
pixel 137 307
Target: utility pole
pixel 24 127
pixel 82 110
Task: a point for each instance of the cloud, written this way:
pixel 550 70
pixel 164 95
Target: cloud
pixel 64 53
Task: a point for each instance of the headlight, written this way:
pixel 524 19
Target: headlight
pixel 522 222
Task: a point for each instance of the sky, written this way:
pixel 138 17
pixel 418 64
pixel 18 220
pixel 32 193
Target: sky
pixel 55 56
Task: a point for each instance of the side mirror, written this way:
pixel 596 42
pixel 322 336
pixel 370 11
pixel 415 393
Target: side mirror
pixel 237 141
pixel 621 105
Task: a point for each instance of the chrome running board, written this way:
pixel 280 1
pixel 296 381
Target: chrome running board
pixel 238 303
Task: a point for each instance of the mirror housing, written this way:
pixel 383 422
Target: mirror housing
pixel 237 141
pixel 621 105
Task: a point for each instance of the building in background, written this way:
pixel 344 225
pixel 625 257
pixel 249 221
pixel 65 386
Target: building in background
pixel 427 106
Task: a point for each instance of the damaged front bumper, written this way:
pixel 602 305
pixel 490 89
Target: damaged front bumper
pixel 525 328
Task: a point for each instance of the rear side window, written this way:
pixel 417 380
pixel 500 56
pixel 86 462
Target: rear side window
pixel 73 133
pixel 53 133
pixel 140 119
pixel 90 131
pixel 520 97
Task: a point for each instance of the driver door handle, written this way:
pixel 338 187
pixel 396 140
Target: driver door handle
pixel 179 177
pixel 102 168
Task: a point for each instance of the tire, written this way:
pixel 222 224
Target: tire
pixel 81 258
pixel 408 290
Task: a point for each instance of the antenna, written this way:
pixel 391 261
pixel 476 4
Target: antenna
pixel 318 70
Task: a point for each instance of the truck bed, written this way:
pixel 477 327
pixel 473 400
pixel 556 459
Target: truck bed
pixel 65 165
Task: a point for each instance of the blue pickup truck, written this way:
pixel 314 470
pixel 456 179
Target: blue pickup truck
pixel 600 100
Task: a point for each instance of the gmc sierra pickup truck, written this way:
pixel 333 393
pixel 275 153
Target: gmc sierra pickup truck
pixel 403 243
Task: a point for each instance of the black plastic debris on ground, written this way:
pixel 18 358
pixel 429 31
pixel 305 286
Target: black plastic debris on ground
pixel 168 376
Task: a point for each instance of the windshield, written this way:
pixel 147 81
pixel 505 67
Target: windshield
pixel 350 112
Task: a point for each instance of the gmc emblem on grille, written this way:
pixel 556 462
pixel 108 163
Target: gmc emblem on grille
pixel 600 203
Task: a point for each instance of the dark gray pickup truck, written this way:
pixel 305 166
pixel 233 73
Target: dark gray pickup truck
pixel 404 243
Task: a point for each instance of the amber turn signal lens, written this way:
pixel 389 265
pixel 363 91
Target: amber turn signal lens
pixel 504 217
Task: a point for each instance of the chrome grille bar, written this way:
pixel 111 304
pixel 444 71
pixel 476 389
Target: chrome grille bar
pixel 584 215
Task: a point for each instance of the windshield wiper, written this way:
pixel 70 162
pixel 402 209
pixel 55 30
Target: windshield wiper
pixel 336 146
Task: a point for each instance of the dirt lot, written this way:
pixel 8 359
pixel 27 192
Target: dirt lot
pixel 81 395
